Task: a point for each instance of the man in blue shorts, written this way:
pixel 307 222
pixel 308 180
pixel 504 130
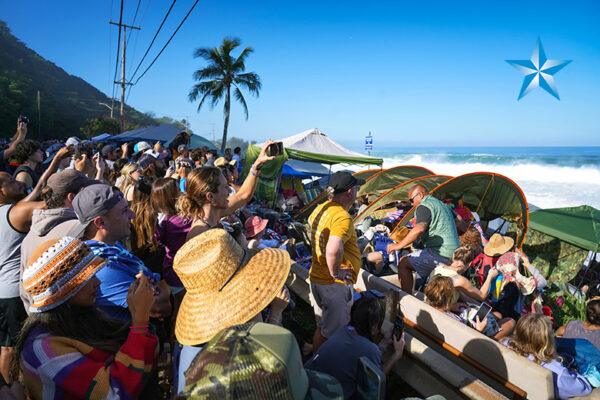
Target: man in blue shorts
pixel 434 225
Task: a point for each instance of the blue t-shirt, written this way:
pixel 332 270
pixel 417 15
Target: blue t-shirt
pixel 339 357
pixel 182 184
pixel 116 277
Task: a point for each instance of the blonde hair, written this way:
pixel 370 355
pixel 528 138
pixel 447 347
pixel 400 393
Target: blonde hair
pixel 534 337
pixel 127 180
pixel 440 292
pixel 463 254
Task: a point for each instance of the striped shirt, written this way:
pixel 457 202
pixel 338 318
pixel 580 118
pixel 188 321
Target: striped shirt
pixel 57 367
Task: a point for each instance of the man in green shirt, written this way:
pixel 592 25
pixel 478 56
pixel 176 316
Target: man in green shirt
pixel 434 225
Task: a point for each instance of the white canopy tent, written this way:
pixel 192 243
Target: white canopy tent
pixel 313 145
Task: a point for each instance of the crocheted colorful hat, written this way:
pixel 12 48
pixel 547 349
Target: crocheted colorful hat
pixel 57 270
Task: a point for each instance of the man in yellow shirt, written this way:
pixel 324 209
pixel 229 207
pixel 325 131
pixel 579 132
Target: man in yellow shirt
pixel 336 258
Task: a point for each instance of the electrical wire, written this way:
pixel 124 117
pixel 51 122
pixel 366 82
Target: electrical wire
pixel 134 18
pixel 153 39
pixel 166 44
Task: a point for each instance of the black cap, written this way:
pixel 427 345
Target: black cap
pixel 343 181
pixel 146 160
pixel 107 149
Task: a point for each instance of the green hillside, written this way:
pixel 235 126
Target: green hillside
pixel 67 101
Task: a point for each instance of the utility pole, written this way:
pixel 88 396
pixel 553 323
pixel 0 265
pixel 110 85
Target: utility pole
pixel 122 81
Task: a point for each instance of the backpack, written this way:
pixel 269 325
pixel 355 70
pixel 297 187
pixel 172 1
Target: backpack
pixel 481 266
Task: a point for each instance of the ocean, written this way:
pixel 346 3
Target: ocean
pixel 549 176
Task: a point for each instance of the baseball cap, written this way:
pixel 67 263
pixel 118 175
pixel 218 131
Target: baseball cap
pixel 68 181
pixel 157 155
pixel 228 366
pixel 181 148
pixel 146 160
pixel 342 181
pixel 107 149
pixel 94 201
pixel 141 146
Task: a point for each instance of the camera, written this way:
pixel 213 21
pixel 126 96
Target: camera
pixel 23 118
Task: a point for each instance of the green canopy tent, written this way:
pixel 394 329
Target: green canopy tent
pixel 313 146
pixel 400 193
pixel 367 173
pixel 382 181
pixel 490 195
pixel 559 240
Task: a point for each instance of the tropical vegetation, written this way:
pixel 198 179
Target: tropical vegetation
pixel 222 74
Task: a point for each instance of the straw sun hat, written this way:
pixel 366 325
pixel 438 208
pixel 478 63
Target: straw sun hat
pixel 226 285
pixel 498 245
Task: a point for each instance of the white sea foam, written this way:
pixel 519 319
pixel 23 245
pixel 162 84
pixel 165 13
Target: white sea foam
pixel 544 185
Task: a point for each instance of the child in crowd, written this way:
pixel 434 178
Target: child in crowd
pixel 534 339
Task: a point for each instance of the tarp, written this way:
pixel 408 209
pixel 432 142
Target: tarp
pixel 290 172
pixel 383 181
pixel 164 133
pixel 310 168
pixel 103 137
pixel 313 145
pixel 490 195
pixel 270 174
pixel 400 193
pixel 199 141
pixel 579 226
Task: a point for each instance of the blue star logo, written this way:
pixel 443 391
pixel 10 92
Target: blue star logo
pixel 538 71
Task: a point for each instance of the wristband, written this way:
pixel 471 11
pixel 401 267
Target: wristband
pixel 256 174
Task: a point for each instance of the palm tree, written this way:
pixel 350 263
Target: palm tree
pixel 217 78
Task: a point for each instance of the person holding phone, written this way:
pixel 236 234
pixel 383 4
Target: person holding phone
pixel 441 295
pixel 339 356
pixel 207 199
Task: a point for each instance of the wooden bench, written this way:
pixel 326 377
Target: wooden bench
pixel 443 356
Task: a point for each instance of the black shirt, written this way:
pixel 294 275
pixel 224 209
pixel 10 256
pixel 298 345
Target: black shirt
pixel 422 215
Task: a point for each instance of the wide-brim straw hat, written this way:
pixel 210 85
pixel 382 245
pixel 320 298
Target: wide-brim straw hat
pixel 225 284
pixel 498 245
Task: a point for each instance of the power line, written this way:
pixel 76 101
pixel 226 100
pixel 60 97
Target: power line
pixel 166 44
pixel 134 18
pixel 153 39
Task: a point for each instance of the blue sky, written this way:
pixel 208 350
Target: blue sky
pixel 414 73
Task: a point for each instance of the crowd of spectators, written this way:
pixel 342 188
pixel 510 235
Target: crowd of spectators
pixel 117 258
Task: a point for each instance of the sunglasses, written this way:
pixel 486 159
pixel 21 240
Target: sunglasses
pixel 412 199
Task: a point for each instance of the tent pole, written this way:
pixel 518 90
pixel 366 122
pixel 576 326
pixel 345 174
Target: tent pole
pixel 329 176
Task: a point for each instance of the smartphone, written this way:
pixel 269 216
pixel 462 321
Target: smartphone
pixel 482 312
pixel 275 149
pixel 398 327
pixel 172 164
